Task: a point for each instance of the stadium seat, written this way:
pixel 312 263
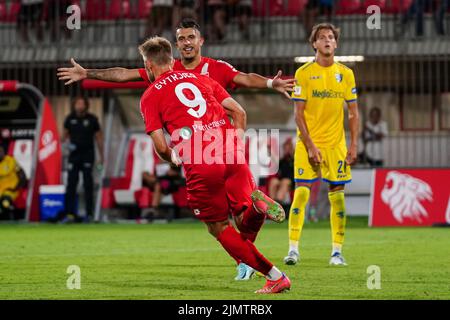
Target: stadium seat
pixel 143 9
pixel 140 158
pixel 379 3
pixel 128 190
pixel 278 7
pixel 348 7
pixel 95 10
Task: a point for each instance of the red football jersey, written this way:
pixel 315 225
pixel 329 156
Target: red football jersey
pixel 219 70
pixel 188 106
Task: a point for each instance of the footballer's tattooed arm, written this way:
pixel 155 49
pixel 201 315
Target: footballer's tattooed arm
pixel 163 150
pixel 78 73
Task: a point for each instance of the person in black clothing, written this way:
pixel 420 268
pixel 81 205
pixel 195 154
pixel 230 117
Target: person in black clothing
pixel 281 185
pixel 81 128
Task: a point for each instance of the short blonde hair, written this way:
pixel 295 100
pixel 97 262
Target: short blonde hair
pixel 157 49
pixel 323 26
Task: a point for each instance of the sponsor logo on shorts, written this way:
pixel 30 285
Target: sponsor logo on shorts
pixel 198 126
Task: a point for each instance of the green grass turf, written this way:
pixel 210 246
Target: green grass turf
pixel 182 261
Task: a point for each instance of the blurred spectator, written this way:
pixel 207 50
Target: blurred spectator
pixel 281 185
pixel 416 9
pixel 375 131
pixel 56 18
pixel 184 9
pixel 12 179
pixel 312 10
pixel 312 212
pixel 30 14
pixel 243 9
pixel 160 17
pixel 164 184
pixel 215 17
pixel 81 128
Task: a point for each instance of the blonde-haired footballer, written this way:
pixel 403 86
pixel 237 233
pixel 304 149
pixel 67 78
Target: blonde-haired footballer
pixel 322 88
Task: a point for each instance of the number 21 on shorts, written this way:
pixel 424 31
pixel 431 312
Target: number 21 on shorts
pixel 342 165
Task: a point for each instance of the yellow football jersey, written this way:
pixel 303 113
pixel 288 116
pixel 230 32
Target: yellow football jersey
pixel 324 89
pixel 8 173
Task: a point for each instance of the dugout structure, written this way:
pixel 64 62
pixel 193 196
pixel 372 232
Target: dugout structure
pixel 29 133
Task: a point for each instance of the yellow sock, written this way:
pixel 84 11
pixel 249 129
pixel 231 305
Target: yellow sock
pixel 337 219
pixel 297 216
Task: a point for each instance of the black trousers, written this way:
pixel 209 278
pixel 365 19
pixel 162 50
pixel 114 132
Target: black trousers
pixel 75 166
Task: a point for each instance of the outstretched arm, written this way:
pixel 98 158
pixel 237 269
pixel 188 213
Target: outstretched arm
pixel 77 73
pixel 253 80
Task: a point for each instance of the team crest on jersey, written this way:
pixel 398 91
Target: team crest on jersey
pixel 86 123
pixel 338 77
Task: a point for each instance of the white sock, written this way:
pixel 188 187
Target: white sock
pixel 274 274
pixel 337 248
pixel 293 245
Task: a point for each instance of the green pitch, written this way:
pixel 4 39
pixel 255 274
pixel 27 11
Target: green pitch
pixel 182 261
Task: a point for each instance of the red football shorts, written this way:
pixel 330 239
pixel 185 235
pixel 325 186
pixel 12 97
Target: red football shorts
pixel 215 191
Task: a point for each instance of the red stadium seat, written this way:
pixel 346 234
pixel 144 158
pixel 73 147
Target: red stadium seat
pixel 128 190
pixel 95 10
pixel 140 158
pixel 348 7
pixel 144 7
pixel 22 151
pixel 368 3
pixel 3 11
pixel 278 7
pixel 119 9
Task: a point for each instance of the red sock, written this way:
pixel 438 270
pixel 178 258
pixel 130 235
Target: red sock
pixel 252 221
pixel 244 250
